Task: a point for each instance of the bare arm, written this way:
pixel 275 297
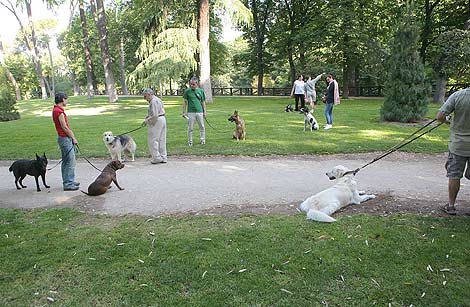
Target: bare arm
pixel 185 106
pixel 204 108
pixel 66 129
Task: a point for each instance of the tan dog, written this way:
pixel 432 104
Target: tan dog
pixel 240 132
pixel 103 182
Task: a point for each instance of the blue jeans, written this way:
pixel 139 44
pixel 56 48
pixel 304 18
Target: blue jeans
pixel 329 113
pixel 68 161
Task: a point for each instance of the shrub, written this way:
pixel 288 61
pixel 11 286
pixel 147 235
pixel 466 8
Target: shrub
pixel 7 98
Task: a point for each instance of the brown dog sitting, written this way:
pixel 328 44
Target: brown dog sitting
pixel 240 132
pixel 103 182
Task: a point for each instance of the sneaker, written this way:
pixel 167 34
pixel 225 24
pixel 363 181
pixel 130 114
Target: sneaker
pixel 328 127
pixel 76 183
pixel 450 210
pixel 73 188
pixel 203 142
pixel 190 144
pixel 156 161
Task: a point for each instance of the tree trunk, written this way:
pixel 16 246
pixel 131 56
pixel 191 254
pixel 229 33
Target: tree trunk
pixel 9 74
pixel 51 62
pixel 76 88
pixel 204 53
pixel 103 35
pixel 259 45
pixel 467 23
pixel 439 95
pixel 90 75
pixel 35 52
pixel 122 68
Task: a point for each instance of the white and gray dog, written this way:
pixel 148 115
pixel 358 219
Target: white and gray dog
pixel 309 119
pixel 119 144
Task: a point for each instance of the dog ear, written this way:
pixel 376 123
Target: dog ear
pixel 44 155
pixel 37 157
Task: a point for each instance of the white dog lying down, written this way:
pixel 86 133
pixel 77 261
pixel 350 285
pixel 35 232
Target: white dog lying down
pixel 320 206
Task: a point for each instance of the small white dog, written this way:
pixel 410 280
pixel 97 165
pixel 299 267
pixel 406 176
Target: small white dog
pixel 310 120
pixel 344 192
pixel 119 144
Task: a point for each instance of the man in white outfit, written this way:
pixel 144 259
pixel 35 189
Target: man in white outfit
pixel 156 123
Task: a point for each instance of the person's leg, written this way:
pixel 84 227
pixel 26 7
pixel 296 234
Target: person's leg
pixel 302 101
pixel 296 102
pixel 455 166
pixel 191 120
pixel 202 128
pixel 68 162
pixel 454 187
pixel 152 140
pixel 162 139
pixel 328 113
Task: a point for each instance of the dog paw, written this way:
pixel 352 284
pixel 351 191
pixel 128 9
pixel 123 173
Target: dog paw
pixel 372 196
pixel 47 186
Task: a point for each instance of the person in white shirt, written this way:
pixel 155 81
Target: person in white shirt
pixel 298 91
pixel 156 122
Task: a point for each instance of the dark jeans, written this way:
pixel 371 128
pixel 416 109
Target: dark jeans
pixel 300 97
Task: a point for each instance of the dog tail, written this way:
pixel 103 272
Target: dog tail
pixel 319 216
pixel 11 168
pixel 84 192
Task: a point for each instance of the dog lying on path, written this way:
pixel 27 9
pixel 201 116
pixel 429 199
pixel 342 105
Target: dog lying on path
pixel 119 144
pixel 344 192
pixel 36 168
pixel 240 132
pixel 103 182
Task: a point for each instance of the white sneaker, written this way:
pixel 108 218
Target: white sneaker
pixel 190 143
pixel 203 142
pixel 328 127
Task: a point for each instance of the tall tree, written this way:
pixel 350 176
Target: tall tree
pixel 449 57
pixel 204 51
pixel 30 44
pixel 405 89
pixel 103 34
pixel 90 74
pixel 8 72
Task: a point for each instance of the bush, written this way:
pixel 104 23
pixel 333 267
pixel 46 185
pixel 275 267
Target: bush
pixel 405 89
pixel 7 98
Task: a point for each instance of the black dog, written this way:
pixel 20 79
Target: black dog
pixel 36 168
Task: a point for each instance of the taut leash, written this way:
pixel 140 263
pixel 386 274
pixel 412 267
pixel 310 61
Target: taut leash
pixel 61 159
pixel 404 142
pixel 132 130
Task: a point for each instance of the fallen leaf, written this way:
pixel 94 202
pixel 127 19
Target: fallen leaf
pixel 141 261
pixel 206 239
pixel 50 299
pixel 120 244
pixel 204 274
pixel 286 291
pixel 242 270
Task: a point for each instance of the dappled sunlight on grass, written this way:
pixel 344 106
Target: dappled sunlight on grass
pixel 375 133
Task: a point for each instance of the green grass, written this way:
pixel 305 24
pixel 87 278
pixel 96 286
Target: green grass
pixel 198 261
pixel 357 128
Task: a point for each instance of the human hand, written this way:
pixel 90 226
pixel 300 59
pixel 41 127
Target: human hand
pixel 74 141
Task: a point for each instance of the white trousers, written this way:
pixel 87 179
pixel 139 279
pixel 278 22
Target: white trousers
pixel 193 117
pixel 157 140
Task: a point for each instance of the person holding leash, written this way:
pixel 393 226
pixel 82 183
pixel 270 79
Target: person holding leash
pixel 66 140
pixel 156 122
pixel 194 109
pixel 459 142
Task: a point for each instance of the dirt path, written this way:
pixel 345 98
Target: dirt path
pixel 234 185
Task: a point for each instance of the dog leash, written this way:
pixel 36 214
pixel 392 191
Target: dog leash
pixel 404 142
pixel 61 159
pixel 142 126
pixel 78 149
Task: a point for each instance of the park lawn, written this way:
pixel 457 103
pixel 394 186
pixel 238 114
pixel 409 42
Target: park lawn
pixel 270 130
pixel 271 260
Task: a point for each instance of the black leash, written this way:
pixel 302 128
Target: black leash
pixel 61 159
pixel 142 126
pixel 78 149
pixel 404 142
